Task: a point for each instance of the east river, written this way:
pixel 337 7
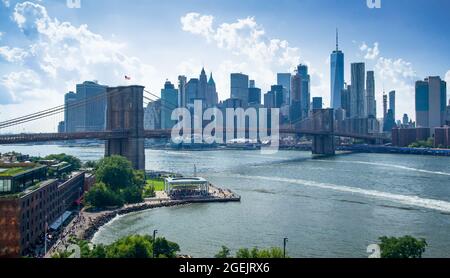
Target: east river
pixel 333 207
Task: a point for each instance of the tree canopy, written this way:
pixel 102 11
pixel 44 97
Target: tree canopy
pixel 406 247
pixel 74 161
pixel 133 246
pixel 115 171
pixel 255 253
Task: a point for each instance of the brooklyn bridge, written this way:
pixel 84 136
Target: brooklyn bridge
pixel 125 134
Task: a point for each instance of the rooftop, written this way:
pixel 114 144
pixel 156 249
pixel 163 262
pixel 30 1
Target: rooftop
pixel 181 181
pixel 16 169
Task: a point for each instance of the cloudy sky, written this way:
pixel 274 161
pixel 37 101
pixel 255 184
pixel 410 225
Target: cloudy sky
pixel 46 48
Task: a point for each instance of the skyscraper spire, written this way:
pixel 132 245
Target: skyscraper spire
pixel 337 39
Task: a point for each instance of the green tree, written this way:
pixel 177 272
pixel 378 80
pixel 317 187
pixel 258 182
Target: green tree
pixel 164 248
pixel 139 178
pixel 132 195
pixel 256 253
pixel 149 191
pixel 406 247
pixel 90 164
pixel 101 196
pixel 131 247
pixel 223 253
pixel 116 172
pixel 75 162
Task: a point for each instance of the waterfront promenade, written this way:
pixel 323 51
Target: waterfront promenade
pixel 88 222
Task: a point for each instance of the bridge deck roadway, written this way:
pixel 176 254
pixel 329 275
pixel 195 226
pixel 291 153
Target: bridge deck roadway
pixel 155 134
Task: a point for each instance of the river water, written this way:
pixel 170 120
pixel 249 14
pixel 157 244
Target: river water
pixel 333 207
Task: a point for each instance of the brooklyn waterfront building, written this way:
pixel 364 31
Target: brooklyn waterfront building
pixel 431 98
pixel 30 202
pixel 337 75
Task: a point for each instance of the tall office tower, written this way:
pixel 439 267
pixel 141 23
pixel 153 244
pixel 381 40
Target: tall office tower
pixel 447 117
pixel 357 93
pixel 212 98
pixel 169 98
pixel 87 116
pixel 70 116
pixel 392 102
pixel 152 115
pixel 252 84
pixel 269 100
pixel 203 86
pixel 239 87
pixel 389 121
pixel 191 91
pixel 370 88
pixel 284 79
pixel 305 92
pixel 300 93
pixel 182 81
pixel 405 120
pixel 277 91
pixel 337 75
pixel 317 103
pixel 431 96
pixel 345 99
pixel 254 94
pixel 385 105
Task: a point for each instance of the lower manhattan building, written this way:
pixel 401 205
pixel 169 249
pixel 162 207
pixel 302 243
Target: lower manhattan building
pixel 431 99
pixel 85 109
pixel 169 102
pixel 357 91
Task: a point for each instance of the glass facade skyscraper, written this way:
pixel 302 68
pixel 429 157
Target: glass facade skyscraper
pixel 86 116
pixel 284 79
pixel 337 76
pixel 239 87
pixel 431 99
pixel 357 93
pixel 370 88
pixel 169 100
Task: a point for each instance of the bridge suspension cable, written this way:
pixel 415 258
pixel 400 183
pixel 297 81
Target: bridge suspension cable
pixel 51 111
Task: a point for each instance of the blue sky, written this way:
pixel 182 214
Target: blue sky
pixel 46 48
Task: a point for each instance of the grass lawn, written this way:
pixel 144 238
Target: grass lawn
pixel 158 184
pixel 13 171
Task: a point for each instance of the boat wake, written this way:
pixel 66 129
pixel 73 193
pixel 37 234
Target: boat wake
pixel 386 165
pixel 416 201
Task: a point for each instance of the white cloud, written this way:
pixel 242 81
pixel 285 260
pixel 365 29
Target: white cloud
pixel 13 55
pixel 198 24
pixel 6 3
pixel 398 75
pixel 60 56
pixel 256 55
pixel 370 53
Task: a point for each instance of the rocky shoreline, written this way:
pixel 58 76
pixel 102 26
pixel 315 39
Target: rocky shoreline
pixel 107 217
pixel 100 219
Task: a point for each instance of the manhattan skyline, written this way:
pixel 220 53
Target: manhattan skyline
pixel 41 43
